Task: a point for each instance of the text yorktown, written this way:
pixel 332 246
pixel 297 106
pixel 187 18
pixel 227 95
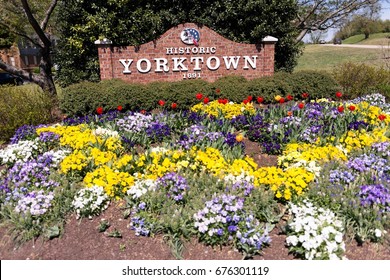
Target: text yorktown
pixel 176 62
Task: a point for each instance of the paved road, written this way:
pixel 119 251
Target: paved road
pixel 358 46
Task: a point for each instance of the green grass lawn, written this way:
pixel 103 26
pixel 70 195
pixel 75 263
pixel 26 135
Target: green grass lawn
pixel 319 57
pixel 374 39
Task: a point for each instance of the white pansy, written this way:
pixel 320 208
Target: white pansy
pixel 316 230
pixel 100 131
pixel 90 202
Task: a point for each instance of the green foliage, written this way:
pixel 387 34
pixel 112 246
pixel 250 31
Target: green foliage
pixel 6 39
pixel 358 79
pixel 26 227
pixel 83 98
pixel 136 22
pixel 316 83
pixel 23 105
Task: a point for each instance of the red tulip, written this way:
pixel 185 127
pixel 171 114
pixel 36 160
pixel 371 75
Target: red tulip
pixel 99 110
pixel 382 117
pixel 301 105
pixel 281 100
pixel 340 109
pixel 174 106
pixel 119 108
pixel 249 98
pixel 199 96
pixel 289 97
pixel 143 112
pixel 245 101
pixel 260 99
pixel 352 108
pixel 339 94
pixel 161 102
pixel 206 100
pixel 305 95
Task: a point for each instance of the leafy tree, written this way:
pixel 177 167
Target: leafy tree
pixel 7 39
pixel 21 18
pixel 323 14
pixel 129 22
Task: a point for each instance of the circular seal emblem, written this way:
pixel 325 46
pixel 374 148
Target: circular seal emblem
pixel 190 36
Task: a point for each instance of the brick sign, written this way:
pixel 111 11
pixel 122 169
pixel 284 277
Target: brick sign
pixel 187 51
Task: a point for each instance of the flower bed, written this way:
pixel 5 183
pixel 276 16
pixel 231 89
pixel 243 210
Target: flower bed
pixel 185 173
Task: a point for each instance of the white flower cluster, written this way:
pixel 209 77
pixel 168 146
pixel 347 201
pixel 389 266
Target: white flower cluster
pixel 134 123
pixel 244 176
pixel 140 187
pixel 100 131
pixel 57 156
pixel 22 151
pixel 90 202
pixel 315 231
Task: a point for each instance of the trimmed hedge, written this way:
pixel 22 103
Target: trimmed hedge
pixel 83 98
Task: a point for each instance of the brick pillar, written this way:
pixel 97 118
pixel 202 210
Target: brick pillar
pixel 269 55
pixel 105 59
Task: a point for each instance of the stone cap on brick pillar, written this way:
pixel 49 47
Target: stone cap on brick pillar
pixel 105 41
pixel 269 39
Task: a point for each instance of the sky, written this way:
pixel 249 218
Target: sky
pixel 385 14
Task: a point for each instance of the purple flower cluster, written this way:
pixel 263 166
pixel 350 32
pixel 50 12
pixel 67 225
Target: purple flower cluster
pixel 48 137
pixel 378 195
pixel 25 132
pixel 196 135
pixel 341 177
pixel 25 177
pixel 311 133
pixel 223 219
pixel 140 226
pixel 92 118
pixel 158 131
pixel 241 186
pixel 366 162
pixel 356 125
pixel 220 217
pixel 175 186
pixel 35 203
pixel 382 148
pixel 313 111
pixel 251 237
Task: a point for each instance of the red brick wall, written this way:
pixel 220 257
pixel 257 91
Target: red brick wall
pixel 111 67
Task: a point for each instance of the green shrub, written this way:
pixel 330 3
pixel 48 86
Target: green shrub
pixel 357 79
pixel 85 97
pixel 181 92
pixel 268 88
pixel 316 84
pixel 23 105
pixel 234 88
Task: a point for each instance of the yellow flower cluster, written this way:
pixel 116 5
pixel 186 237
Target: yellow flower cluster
pixel 75 137
pixel 286 184
pixel 75 161
pixel 228 111
pixel 94 154
pixel 295 153
pixel 371 114
pixel 115 183
pixel 358 139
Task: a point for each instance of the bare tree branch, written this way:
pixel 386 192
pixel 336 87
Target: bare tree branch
pixel 37 28
pixel 48 14
pixel 323 14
